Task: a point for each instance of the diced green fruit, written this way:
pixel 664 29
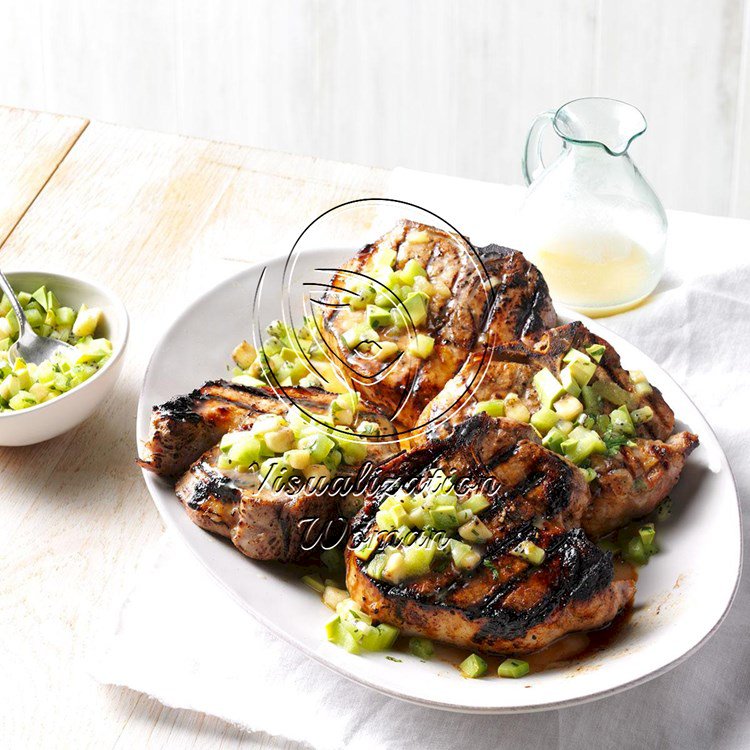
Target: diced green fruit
pixel 333 596
pixel 444 517
pixel 417 559
pixel 544 420
pixel 339 635
pixel 421 647
pixel 411 270
pixel 244 355
pixel 416 305
pixel 548 387
pixel 422 346
pixel 621 421
pixel 635 552
pixel 86 321
pixel 280 440
pixel 612 392
pixel 22 400
pixel 365 549
pixel 65 317
pixel 474 531
pixel 494 407
pixel 647 535
pixel 516 409
pixel 473 666
pixel 298 459
pixel 592 404
pixel 581 371
pixel 574 355
pixel 377 317
pixel 395 569
pixel 386 350
pixel 596 351
pixel 589 474
pixel 643 389
pixel 529 552
pixel 476 503
pixel 642 415
pixel 464 556
pixel 569 383
pixel 554 440
pixel 513 668
pixel 664 511
pixel 314 583
pixel 40 295
pixel 637 376
pixel 581 443
pixel 568 407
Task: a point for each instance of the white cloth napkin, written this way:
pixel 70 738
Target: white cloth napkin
pixel 179 638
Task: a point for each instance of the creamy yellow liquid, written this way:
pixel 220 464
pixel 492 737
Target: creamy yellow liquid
pixel 597 275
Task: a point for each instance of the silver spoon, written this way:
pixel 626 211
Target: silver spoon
pixel 29 346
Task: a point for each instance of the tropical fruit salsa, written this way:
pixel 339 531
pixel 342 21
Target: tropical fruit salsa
pixel 418 533
pixel 288 357
pixel 389 304
pixel 580 418
pixel 25 384
pixel 278 448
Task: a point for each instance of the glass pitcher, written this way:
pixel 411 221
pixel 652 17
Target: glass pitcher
pixel 590 221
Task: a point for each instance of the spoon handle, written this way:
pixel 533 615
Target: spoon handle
pixel 15 304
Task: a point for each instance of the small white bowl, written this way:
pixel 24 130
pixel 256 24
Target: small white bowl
pixel 52 418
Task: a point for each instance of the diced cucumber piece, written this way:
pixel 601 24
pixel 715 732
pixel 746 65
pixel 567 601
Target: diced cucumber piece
pixel 422 346
pixel 473 666
pixel 319 446
pixel 34 318
pixel 635 552
pixel 395 569
pixel 569 383
pixel 647 535
pixel 421 647
pixel 589 474
pixel 376 566
pixel 544 420
pixel 596 351
pixel 574 355
pixel 530 552
pixel 548 387
pixel 513 668
pixel 568 407
pixel 494 407
pixel 333 596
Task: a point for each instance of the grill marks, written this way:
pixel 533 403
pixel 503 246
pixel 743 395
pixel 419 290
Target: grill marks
pixel 506 604
pixel 263 523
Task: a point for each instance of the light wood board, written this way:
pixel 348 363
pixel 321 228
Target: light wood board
pixel 136 209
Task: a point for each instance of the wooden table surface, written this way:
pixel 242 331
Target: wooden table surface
pixel 134 208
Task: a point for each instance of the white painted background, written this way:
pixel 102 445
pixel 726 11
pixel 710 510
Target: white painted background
pixel 441 85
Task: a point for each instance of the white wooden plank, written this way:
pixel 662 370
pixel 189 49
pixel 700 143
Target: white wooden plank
pixel 114 61
pixel 740 205
pixel 678 60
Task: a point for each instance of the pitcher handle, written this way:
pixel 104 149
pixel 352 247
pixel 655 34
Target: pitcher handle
pixel 532 163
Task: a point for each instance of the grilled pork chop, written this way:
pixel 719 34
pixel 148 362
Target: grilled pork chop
pixel 505 604
pixel 264 522
pixel 490 290
pixel 630 483
pixel 510 368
